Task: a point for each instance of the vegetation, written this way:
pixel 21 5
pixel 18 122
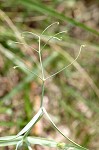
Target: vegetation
pixel 69 97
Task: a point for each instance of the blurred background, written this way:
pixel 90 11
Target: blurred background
pixel 71 97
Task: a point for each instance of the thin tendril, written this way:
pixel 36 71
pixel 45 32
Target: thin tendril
pixel 28 70
pixel 40 57
pixel 67 65
pixel 26 45
pixel 26 32
pixel 42 94
pixel 39 39
pixel 54 36
pixel 49 27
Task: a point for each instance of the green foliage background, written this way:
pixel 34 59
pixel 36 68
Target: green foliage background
pixel 72 97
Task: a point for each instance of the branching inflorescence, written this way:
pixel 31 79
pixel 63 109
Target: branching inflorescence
pixel 25 131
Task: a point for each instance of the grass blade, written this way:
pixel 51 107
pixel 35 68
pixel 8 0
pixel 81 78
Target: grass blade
pixel 34 5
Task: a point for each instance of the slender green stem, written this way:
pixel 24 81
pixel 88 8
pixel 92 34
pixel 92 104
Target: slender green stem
pixel 26 45
pixel 49 27
pixel 28 70
pixel 42 94
pixel 41 58
pixel 60 131
pixel 26 32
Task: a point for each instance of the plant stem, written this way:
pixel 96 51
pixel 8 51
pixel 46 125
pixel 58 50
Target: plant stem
pixel 42 94
pixel 41 59
pixel 78 146
pixel 67 65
